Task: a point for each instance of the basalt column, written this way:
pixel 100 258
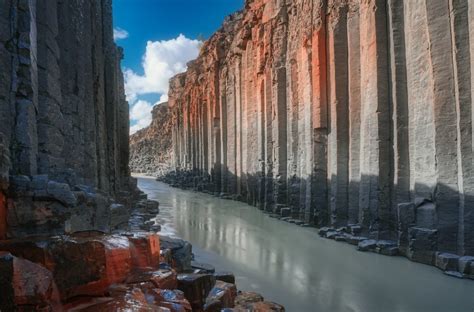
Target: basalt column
pixel 63 116
pixel 340 113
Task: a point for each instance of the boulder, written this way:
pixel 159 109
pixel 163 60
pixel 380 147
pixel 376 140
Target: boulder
pixel 162 278
pixel 119 215
pixel 258 307
pixel 367 245
pixel 181 252
pixel 145 249
pixel 222 295
pixel 26 284
pixel 466 266
pixel 199 267
pixel 323 231
pixel 387 247
pixel 196 288
pixel 62 193
pixel 173 300
pixel 122 299
pixel 422 245
pixel 244 297
pixel 227 277
pixel 285 212
pixel 447 261
pixel 109 259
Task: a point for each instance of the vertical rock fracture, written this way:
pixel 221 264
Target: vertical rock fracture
pixel 63 117
pixel 354 114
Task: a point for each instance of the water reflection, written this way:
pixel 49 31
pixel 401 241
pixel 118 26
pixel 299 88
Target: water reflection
pixel 293 266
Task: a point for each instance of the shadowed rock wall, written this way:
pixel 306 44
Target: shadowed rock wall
pixel 63 114
pixel 348 112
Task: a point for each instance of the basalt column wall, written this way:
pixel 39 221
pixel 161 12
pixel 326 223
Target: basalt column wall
pixel 348 112
pixel 63 114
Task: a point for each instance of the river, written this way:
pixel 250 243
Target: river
pixel 293 266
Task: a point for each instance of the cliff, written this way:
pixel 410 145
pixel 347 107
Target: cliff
pixel 63 117
pixel 354 114
pixel 151 148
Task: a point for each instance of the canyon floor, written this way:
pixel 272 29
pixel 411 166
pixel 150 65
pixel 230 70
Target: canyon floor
pixel 294 266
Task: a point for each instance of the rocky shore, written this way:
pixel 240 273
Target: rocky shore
pixel 417 243
pixel 130 268
pixel 75 232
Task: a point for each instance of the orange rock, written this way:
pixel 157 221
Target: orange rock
pixel 245 297
pixel 163 279
pixel 85 264
pixel 145 248
pixel 173 300
pixel 24 284
pixel 222 295
pixel 122 299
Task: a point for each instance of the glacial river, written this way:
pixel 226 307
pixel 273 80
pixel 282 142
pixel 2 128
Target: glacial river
pixel 293 266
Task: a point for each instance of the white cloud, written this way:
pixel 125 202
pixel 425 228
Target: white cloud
pixel 162 60
pixel 120 33
pixel 163 98
pixel 140 115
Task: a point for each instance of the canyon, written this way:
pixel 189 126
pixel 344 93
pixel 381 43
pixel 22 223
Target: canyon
pixel 351 116
pixel 76 234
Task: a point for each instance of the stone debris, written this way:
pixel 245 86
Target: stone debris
pixel 324 113
pixel 76 234
pixel 196 288
pixel 221 296
pixel 26 286
pixel 181 252
pixel 227 277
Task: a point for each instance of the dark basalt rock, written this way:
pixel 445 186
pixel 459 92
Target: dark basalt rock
pixel 227 277
pixel 181 252
pixel 196 288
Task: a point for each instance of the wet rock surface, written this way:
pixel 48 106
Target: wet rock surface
pixel 76 234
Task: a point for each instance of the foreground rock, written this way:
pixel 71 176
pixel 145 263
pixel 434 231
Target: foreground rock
pixel 25 286
pixel 92 271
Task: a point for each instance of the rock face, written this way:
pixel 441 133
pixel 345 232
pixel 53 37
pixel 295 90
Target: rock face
pixel 151 148
pixel 63 117
pixel 348 112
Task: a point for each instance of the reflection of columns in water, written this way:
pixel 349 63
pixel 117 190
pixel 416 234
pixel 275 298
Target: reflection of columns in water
pixel 341 111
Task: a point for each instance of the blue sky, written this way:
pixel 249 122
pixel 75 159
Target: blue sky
pixel 159 37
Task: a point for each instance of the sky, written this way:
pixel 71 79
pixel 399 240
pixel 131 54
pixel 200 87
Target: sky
pixel 159 37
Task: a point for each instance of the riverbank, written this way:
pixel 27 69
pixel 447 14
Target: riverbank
pixel 112 258
pixel 295 266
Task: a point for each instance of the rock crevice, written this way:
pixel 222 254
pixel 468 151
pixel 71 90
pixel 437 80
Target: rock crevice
pixel 63 117
pixel 350 113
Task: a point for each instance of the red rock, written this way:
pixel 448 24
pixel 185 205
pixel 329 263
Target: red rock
pixel 173 300
pixel 26 285
pixel 122 299
pixel 163 279
pixel 245 297
pixel 222 295
pixel 85 264
pixel 145 249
